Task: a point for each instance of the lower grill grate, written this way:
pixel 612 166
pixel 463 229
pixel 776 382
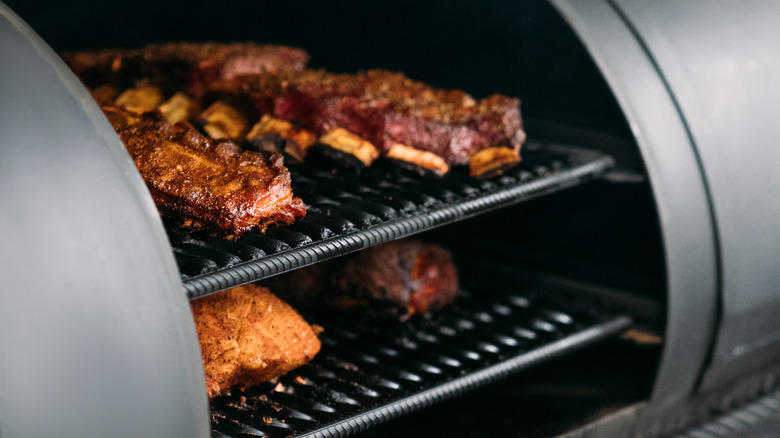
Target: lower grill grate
pixel 352 211
pixel 367 375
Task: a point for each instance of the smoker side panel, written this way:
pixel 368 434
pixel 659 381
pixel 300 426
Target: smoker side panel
pixel 96 336
pixel 678 187
pixel 720 59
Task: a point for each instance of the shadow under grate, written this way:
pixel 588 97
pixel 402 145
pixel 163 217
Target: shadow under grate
pixel 350 211
pixel 367 375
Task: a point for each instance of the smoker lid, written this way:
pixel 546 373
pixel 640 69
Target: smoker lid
pixel 95 332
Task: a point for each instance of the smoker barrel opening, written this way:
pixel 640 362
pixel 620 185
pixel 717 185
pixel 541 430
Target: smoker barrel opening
pixel 627 212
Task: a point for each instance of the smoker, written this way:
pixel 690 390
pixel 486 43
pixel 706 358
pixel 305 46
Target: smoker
pixel 641 224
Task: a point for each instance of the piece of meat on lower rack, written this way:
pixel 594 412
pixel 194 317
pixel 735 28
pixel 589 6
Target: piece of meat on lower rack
pixel 400 118
pixel 248 336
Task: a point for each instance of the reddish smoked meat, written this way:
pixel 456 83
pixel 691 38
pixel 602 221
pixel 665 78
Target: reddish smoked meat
pixel 204 183
pixel 391 281
pixel 384 108
pixel 188 67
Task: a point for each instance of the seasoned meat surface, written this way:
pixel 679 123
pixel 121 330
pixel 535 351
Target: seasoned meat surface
pixel 399 278
pixel 204 183
pixel 390 281
pixel 186 67
pixel 248 336
pixel 384 108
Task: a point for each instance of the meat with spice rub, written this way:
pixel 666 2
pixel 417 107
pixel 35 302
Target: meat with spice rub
pixel 203 183
pixel 387 110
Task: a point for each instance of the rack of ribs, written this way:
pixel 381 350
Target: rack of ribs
pixel 203 183
pixel 188 67
pixel 391 281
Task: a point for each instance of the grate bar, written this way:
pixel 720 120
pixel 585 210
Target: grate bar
pixel 351 212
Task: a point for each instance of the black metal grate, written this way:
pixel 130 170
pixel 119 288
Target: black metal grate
pixel 351 211
pixel 365 376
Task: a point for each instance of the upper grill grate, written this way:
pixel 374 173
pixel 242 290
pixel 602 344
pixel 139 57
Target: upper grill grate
pixel 350 211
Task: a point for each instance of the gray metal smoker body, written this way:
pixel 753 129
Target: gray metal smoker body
pixel 97 336
pixel 696 81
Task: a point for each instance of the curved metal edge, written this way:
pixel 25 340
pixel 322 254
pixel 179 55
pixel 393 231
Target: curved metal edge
pixel 275 264
pixel 687 230
pixel 721 63
pixel 97 337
